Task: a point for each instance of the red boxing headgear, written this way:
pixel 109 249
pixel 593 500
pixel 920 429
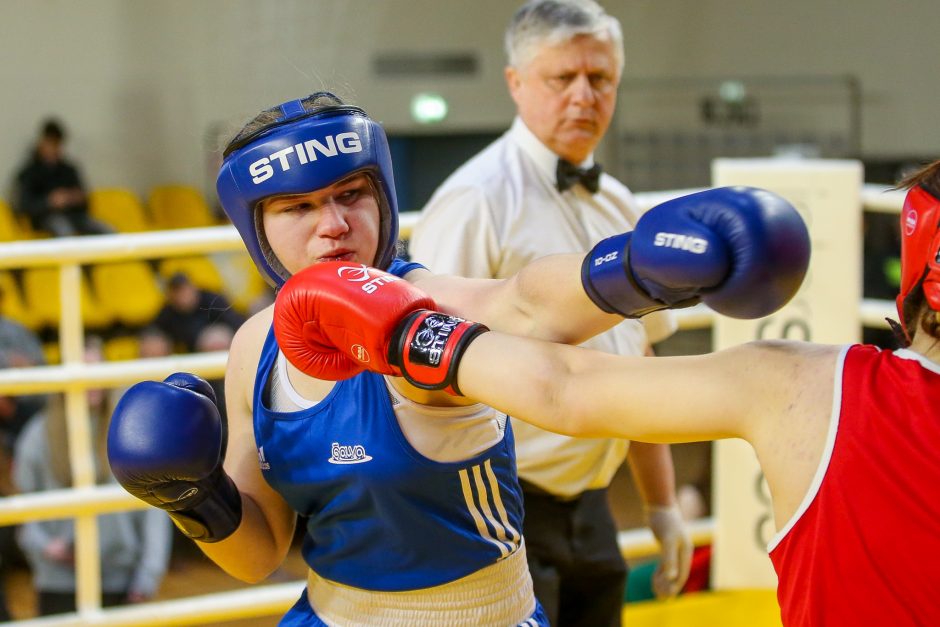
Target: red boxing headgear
pixel 920 248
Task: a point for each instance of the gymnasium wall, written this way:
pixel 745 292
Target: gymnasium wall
pixel 147 87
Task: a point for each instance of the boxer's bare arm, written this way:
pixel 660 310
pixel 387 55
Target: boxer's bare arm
pixel 586 393
pixel 263 538
pixel 775 395
pixel 544 300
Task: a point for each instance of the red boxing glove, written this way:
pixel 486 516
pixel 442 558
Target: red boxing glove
pixel 335 319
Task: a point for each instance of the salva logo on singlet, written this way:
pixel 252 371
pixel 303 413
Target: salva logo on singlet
pixel 348 454
pixel 304 153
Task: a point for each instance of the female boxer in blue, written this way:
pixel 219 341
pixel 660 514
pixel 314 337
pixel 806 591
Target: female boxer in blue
pixel 412 505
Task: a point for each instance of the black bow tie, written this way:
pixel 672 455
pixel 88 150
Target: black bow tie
pixel 567 175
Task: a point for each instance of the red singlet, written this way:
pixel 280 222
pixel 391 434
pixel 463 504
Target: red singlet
pixel 864 546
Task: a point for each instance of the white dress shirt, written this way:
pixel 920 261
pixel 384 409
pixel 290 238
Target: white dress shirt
pixel 497 213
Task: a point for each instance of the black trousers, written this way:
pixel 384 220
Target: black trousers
pixel 577 570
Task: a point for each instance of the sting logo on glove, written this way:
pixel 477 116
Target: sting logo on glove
pixel 427 346
pixel 359 352
pixel 695 245
pixel 360 273
pixel 188 493
pixel 353 273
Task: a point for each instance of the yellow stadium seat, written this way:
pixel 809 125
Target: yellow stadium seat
pixel 128 289
pixel 118 207
pixel 178 206
pixel 9 227
pixel 15 226
pixel 52 353
pixel 26 228
pixel 12 305
pixel 41 296
pixel 122 348
pixel 201 272
pixel 252 288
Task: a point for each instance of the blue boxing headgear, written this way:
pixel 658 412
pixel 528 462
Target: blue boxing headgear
pixel 302 152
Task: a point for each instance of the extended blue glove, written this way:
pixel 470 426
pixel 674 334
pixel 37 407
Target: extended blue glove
pixel 166 445
pixel 742 250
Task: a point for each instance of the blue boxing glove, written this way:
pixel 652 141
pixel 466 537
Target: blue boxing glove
pixel 743 251
pixel 166 444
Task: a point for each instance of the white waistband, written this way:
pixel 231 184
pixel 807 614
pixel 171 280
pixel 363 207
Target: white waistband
pixel 499 595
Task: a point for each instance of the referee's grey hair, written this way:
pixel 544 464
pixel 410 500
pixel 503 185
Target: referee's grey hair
pixel 551 22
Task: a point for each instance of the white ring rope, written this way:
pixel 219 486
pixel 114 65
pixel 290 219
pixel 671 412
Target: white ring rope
pixel 72 377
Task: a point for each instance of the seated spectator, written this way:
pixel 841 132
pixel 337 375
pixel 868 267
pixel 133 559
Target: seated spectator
pixel 190 311
pixel 134 546
pixel 216 337
pixel 49 189
pixel 154 343
pixel 19 348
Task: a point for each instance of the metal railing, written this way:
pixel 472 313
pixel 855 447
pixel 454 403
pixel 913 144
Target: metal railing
pixel 73 377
